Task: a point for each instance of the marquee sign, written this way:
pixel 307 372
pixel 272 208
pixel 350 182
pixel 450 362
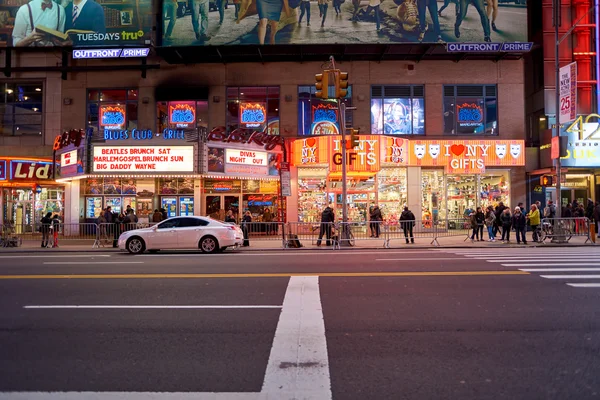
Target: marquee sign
pixel 143 159
pixel 246 157
pixel 244 136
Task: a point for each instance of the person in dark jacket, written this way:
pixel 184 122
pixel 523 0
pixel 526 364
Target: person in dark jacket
pixel 477 219
pixel 567 211
pixel 327 220
pixel 164 214
pixel 589 210
pixel 519 224
pixel 54 227
pixel 157 216
pixel 376 218
pixel 246 220
pixel 229 217
pixel 407 222
pixel 45 228
pixel 506 221
pixel 499 210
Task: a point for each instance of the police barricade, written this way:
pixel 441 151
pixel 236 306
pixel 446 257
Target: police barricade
pixel 264 231
pixel 563 229
pixel 409 231
pixel 299 234
pixel 353 233
pixel 49 235
pixel 453 227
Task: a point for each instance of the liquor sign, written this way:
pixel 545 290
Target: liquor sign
pixel 112 117
pixel 246 157
pixel 29 170
pixel 467 156
pixel 253 115
pixel 143 159
pixel 182 114
pixel 3 173
pixel 568 93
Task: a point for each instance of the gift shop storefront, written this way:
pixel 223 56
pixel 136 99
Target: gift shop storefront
pixel 28 191
pixel 242 173
pixel 436 179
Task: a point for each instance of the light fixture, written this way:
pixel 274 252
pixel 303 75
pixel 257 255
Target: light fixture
pixel 37 89
pixel 9 91
pixel 35 108
pixel 25 98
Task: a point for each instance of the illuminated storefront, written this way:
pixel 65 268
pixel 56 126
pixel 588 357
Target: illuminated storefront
pixel 453 176
pixel 28 191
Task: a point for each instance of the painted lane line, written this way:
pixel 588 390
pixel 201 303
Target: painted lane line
pixel 421 259
pixel 128 396
pixel 184 307
pixel 60 256
pixel 585 285
pixel 91 262
pixel 550 264
pixel 298 366
pixel 571 276
pixel 269 275
pixel 559 269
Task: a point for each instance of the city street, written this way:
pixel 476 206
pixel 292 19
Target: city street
pixel 468 323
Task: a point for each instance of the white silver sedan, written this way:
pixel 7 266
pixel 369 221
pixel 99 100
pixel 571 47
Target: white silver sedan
pixel 204 233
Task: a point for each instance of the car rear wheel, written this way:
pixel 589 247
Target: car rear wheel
pixel 135 245
pixel 209 244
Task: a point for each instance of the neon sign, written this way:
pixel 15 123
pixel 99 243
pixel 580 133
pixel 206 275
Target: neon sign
pixel 182 114
pixel 325 118
pixel 143 134
pixel 244 136
pixel 67 138
pixel 252 115
pixel 469 114
pixel 112 117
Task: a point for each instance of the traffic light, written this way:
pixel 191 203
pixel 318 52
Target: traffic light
pixel 353 138
pixel 547 180
pixel 341 84
pixel 322 85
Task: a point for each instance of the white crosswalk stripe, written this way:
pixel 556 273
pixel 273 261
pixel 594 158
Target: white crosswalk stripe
pixel 556 263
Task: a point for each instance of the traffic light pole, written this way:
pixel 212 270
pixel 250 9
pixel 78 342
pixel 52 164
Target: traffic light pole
pixel 557 17
pixel 342 107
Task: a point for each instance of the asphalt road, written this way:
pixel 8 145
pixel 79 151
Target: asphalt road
pixel 424 324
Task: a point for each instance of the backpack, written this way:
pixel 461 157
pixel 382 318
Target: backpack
pixel 293 242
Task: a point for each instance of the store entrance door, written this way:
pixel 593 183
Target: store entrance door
pixel 218 204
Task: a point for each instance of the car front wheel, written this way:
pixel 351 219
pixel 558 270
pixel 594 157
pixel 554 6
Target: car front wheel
pixel 209 244
pixel 135 245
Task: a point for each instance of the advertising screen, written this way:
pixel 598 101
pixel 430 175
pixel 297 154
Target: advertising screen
pixel 77 23
pixel 200 23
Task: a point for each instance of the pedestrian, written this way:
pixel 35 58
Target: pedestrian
pixel 498 210
pixel 567 211
pixel 534 221
pixel 304 8
pixel 477 220
pixel 490 223
pixel 130 220
pixel 506 220
pixel 589 210
pixel 446 4
pixel 45 228
pixel 579 214
pixel 407 222
pixel 55 227
pixel 492 8
pixel 522 207
pixel 157 216
pixel 267 218
pixel 597 217
pixel 246 220
pixel 323 10
pixel 164 214
pixel 376 218
pixel 229 217
pixel 463 8
pixel 200 25
pixel 118 220
pixel 327 220
pixel 519 224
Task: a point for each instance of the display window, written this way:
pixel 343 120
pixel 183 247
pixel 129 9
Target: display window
pixel 318 116
pixel 494 188
pixel 175 186
pixel 471 109
pixel 433 203
pixel 312 193
pixel 23 207
pixel 461 196
pixel 392 193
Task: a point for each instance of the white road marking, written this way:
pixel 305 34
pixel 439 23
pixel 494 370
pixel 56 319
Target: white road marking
pixel 558 269
pixel 60 256
pixel 129 396
pixel 421 259
pixel 298 366
pixel 571 276
pixel 84 263
pixel 561 264
pixel 147 307
pixel 585 285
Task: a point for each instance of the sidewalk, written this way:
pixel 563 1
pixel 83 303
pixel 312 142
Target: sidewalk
pixel 275 245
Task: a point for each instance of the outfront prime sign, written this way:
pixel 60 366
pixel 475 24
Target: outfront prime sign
pixel 143 159
pixel 111 53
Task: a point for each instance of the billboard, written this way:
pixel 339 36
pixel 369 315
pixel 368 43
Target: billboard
pixel 77 23
pixel 216 23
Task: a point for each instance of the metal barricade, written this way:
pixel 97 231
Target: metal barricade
pixel 409 231
pixel 453 227
pixel 563 229
pixel 264 231
pixel 299 232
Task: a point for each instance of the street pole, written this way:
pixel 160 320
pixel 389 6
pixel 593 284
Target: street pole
pixel 342 107
pixel 556 5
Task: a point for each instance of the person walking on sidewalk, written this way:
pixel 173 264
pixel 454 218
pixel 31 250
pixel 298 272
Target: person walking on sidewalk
pixel 304 8
pixel 498 210
pixel 327 220
pixel 506 220
pixel 519 224
pixel 45 229
pixel 477 220
pixel 246 220
pixel 376 218
pixel 54 227
pixel 534 221
pixel 490 223
pixel 407 222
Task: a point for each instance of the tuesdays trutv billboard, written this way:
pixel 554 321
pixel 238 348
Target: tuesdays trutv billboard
pixel 212 23
pixel 78 23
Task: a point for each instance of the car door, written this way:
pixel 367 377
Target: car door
pixel 190 232
pixel 165 236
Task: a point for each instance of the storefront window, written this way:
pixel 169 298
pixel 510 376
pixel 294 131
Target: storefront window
pixel 392 193
pixel 111 110
pixel 321 117
pixel 494 188
pixel 99 193
pixel 312 193
pixel 470 110
pixel 255 108
pixel 397 110
pixel 433 203
pixel 26 207
pixel 462 196
pixel 21 106
pixel 189 116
